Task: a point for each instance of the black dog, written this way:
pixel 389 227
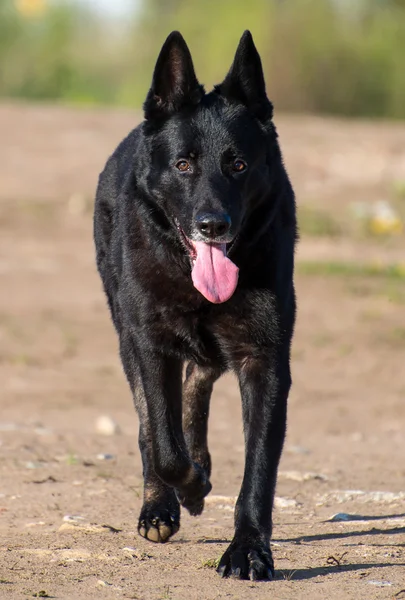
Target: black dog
pixel 195 230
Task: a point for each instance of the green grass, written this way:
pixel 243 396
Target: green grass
pixel 317 223
pixel 210 563
pixel 72 459
pixel 393 337
pixel 399 189
pixel 343 58
pixel 349 269
pixel 288 575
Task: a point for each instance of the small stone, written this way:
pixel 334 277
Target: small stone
pixel 228 507
pixel 134 553
pixel 77 523
pixel 297 450
pixel 73 518
pixel 102 583
pixel 96 492
pixel 73 555
pixel 107 426
pixel 217 499
pixel 342 496
pixel 105 456
pixel 88 527
pixel 342 517
pixel 280 502
pixel 384 496
pixel 31 464
pixel 306 476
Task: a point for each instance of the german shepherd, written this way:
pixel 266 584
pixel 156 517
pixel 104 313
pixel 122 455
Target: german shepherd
pixel 195 229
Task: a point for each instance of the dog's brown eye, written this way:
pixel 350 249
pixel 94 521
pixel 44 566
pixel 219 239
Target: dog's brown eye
pixel 239 165
pixel 183 165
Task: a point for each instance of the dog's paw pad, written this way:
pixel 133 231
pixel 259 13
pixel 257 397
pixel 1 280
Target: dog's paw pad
pixel 158 528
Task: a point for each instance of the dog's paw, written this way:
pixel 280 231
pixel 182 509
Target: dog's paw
pixel 192 495
pixel 247 561
pixel 194 507
pixel 158 524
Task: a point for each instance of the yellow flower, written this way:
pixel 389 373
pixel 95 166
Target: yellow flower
pixel 382 226
pixel 30 8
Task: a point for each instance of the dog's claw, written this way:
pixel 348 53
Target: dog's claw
pixel 242 562
pixel 221 570
pixel 157 522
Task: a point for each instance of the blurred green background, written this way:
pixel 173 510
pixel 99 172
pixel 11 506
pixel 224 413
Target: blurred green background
pixel 344 57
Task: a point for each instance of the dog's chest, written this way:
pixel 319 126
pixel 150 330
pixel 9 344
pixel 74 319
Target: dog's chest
pixel 185 334
pixel 218 336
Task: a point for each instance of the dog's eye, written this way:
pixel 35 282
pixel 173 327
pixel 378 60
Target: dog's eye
pixel 239 165
pixel 183 165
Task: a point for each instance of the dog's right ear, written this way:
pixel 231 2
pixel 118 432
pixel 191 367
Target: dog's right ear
pixel 245 80
pixel 174 83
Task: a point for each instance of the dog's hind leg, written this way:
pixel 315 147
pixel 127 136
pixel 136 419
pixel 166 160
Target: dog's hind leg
pixel 160 514
pixel 197 390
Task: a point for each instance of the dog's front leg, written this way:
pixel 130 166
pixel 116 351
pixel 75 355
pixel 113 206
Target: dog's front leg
pixel 160 514
pixel 264 387
pixel 162 383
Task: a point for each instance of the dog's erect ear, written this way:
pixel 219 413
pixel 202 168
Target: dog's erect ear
pixel 245 80
pixel 174 84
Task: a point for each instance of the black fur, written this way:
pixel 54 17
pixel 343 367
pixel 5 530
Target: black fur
pixel 145 211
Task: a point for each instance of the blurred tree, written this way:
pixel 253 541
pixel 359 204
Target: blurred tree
pixel 335 56
pixel 30 8
pixel 211 28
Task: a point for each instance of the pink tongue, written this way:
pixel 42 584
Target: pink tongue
pixel 213 274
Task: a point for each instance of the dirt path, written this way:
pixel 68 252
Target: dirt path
pixel 70 496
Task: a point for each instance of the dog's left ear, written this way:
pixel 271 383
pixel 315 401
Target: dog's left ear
pixel 245 80
pixel 174 84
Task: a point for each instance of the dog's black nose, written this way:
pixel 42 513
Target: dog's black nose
pixel 213 225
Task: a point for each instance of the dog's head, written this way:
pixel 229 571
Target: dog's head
pixel 207 162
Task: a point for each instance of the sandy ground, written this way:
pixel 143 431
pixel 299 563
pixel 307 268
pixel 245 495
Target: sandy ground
pixel 70 496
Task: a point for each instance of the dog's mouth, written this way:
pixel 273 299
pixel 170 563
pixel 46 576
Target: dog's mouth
pixel 214 275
